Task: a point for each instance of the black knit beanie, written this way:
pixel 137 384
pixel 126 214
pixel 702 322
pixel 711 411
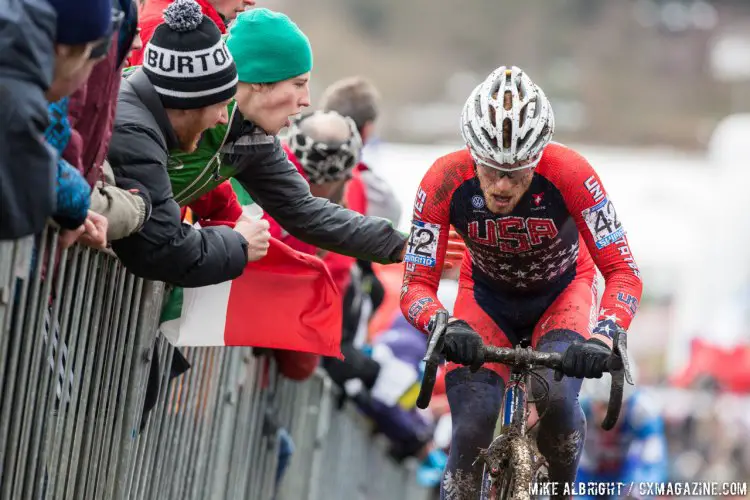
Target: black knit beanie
pixel 187 61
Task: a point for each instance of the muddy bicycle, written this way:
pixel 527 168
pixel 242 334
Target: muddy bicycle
pixel 513 463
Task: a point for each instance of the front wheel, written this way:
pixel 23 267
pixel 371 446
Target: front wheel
pixel 497 489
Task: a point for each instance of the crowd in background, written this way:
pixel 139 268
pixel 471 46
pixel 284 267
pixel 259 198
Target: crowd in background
pixel 142 129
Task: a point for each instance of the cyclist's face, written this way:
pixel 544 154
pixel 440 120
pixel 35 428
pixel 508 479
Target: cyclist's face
pixel 503 190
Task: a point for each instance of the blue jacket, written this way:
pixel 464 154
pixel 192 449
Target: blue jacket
pixel 73 192
pixel 634 451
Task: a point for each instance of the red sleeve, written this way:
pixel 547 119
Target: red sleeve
pixel 219 204
pixel 429 237
pixel 601 229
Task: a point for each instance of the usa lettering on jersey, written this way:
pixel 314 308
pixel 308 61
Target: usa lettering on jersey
pixel 417 307
pixel 419 202
pixel 630 301
pixel 594 188
pixel 513 234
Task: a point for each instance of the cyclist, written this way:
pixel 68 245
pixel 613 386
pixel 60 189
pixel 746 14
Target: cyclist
pixel 537 223
pixel 635 450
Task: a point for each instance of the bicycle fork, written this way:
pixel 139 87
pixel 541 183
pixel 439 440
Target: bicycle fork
pixel 509 462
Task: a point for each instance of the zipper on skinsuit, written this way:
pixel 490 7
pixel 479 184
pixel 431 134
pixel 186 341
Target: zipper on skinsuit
pixel 179 198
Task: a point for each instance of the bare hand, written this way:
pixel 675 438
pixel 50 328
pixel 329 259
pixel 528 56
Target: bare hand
pixel 95 235
pixel 69 236
pixel 257 234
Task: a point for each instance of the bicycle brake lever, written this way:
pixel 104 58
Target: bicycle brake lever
pixel 441 322
pixel 431 359
pixel 619 368
pixel 621 349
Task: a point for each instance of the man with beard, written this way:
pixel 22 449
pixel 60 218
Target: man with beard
pixel 537 222
pixel 183 89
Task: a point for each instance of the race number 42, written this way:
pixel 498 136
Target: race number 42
pixel 423 243
pixel 603 223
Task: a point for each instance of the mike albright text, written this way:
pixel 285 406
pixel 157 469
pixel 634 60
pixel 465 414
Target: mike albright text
pixel 691 488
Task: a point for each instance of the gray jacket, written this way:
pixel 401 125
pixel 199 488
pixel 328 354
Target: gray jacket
pixel 275 184
pixel 27 163
pixel 164 249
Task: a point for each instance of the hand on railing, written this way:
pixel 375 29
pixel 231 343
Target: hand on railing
pixel 92 233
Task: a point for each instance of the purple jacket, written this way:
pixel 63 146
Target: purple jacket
pixel 407 429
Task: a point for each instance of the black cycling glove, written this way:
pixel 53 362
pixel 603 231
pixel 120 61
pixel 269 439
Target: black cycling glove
pixel 586 359
pixel 463 345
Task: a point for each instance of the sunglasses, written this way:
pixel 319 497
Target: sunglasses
pixel 101 47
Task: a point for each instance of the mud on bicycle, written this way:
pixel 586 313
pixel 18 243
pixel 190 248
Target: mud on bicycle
pixel 512 462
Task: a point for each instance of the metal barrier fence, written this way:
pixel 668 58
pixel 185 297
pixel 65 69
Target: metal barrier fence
pixel 90 407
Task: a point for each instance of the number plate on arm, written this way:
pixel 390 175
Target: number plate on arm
pixel 423 244
pixel 603 223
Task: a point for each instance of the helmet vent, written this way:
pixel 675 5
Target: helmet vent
pixel 507 100
pixel 507 133
pixel 489 138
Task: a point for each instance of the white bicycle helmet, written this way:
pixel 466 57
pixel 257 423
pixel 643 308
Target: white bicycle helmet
pixel 507 121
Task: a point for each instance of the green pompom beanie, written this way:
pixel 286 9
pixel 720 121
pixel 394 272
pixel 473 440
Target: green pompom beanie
pixel 268 47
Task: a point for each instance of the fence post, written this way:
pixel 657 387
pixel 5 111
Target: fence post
pixel 146 331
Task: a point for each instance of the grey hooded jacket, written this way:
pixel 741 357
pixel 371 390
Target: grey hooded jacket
pixel 27 163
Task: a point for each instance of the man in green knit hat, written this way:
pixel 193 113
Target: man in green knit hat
pixel 274 59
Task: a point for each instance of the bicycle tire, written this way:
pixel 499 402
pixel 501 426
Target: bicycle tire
pixel 503 489
pixel 500 491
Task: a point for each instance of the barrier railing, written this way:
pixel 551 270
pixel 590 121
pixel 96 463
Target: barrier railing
pixel 91 407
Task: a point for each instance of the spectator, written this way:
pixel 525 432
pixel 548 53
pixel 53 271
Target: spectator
pixel 268 47
pixel 91 113
pixel 358 99
pixel 219 11
pixel 325 148
pixel 27 164
pixel 84 34
pixel 217 203
pixel 164 106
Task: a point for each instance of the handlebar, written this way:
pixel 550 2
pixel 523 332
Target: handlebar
pixel 618 365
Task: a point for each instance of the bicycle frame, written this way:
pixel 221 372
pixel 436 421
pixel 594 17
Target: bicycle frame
pixel 515 403
pixel 511 437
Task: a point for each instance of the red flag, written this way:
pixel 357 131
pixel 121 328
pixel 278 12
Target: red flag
pixel 286 300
